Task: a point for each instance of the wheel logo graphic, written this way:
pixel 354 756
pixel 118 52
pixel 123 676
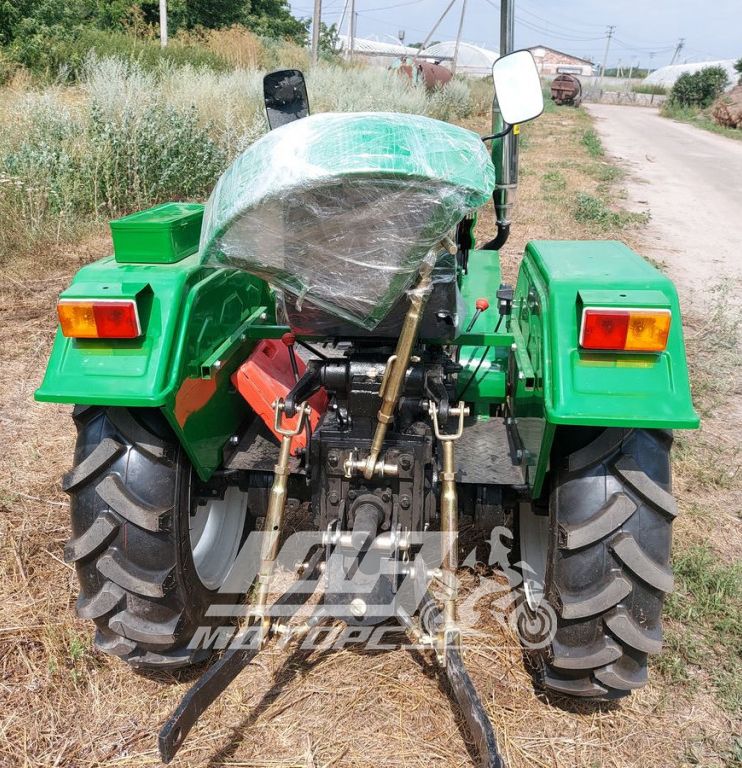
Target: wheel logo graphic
pixel 535 629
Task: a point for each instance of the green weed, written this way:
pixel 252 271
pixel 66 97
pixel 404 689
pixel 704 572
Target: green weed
pixel 554 180
pixel 707 598
pixel 591 141
pixel 698 118
pixel 589 209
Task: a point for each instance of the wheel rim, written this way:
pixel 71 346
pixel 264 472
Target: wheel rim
pixel 216 534
pixel 534 548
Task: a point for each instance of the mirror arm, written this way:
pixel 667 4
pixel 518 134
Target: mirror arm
pixel 502 133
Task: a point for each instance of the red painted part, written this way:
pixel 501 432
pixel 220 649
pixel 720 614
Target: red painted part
pixel 267 375
pixel 482 304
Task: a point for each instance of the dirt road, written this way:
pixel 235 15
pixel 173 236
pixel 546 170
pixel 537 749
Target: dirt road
pixel 691 182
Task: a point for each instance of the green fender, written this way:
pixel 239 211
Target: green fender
pixel 553 382
pixel 199 323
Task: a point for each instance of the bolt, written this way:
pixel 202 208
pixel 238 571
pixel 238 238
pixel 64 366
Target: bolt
pixel 243 337
pixel 405 502
pixel 513 346
pixel 352 494
pixel 234 440
pixel 358 607
pixel 263 315
pixel 332 459
pixel 386 496
pixel 405 462
pixel 521 375
pixel 414 358
pixel 333 498
pixel 217 365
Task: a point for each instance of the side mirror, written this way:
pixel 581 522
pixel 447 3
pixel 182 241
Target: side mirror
pixel 285 97
pixel 518 87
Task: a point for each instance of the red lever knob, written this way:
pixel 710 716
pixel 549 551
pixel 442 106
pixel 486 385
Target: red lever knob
pixel 482 304
pixel 289 339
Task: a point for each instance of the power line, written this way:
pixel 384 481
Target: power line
pixel 396 5
pixel 533 27
pixel 570 27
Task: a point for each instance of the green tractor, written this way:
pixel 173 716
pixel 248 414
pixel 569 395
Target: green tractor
pixel 325 336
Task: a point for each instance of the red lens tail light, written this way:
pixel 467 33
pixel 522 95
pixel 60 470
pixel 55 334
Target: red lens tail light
pixel 625 330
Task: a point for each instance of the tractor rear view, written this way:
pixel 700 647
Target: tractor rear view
pixel 326 335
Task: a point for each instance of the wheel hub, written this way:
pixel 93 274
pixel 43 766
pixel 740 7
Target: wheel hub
pixel 216 535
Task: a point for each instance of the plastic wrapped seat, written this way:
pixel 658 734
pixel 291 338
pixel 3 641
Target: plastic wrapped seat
pixel 339 210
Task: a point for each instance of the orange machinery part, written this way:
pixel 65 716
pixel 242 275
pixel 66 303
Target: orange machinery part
pixel 267 375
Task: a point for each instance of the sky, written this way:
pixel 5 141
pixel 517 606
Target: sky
pixel 711 30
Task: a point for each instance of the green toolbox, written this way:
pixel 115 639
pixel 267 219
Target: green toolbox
pixel 161 235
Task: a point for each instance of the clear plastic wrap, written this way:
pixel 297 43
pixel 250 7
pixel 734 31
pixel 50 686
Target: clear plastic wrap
pixel 339 210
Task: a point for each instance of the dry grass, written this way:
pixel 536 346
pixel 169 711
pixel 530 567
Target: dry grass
pixel 63 704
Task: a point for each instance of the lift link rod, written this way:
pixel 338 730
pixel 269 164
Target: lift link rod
pixel 450 635
pixel 276 509
pixel 397 364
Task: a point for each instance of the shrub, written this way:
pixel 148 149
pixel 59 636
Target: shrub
pixel 66 52
pixel 131 135
pixel 699 89
pixel 236 45
pixel 451 101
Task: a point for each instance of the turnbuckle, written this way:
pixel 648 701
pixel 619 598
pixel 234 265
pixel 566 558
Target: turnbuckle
pixel 450 634
pixel 275 513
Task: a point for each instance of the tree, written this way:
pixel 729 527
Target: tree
pixel 329 40
pixel 35 20
pixel 738 67
pixel 272 18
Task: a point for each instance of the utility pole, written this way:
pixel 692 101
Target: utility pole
pixel 163 23
pixel 611 30
pixel 436 25
pixel 679 47
pixel 353 17
pixel 316 16
pixel 458 39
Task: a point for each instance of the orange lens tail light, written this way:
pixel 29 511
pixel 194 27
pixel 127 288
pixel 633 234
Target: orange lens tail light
pixel 625 330
pixel 104 319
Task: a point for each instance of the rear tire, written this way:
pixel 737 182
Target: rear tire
pixel 131 504
pixel 606 567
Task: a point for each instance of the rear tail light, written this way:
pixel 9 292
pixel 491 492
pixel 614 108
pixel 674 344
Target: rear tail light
pixel 99 319
pixel 625 330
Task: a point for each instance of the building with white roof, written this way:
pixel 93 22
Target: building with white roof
pixel 666 76
pixel 472 60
